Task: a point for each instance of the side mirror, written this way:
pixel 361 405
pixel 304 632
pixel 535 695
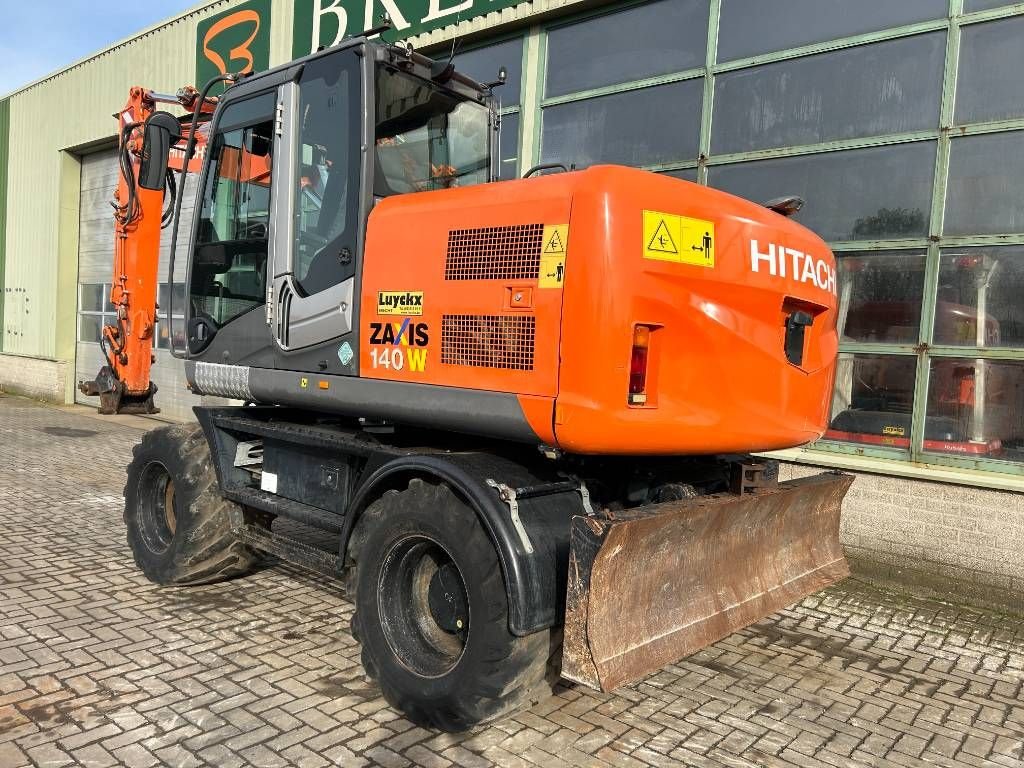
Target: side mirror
pixel 161 132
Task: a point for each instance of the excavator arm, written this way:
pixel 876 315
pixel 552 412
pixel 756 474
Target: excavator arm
pixel 123 384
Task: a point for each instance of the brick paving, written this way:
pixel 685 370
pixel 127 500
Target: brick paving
pixel 100 667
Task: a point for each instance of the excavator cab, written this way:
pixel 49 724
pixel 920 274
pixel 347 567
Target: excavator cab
pixel 296 160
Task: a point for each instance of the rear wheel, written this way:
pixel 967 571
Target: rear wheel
pixel 432 613
pixel 179 526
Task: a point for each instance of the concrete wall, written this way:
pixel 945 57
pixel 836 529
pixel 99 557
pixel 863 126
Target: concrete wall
pixel 34 377
pixel 966 544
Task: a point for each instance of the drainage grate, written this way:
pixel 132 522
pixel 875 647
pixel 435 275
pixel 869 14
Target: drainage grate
pixel 494 253
pixel 488 341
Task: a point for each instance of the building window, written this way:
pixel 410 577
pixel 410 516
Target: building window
pixel 650 126
pixel 903 129
pixel 94 311
pixel 862 206
pixel 889 87
pixel 177 319
pixel 625 87
pixel 659 38
pixel 483 64
pixel 753 27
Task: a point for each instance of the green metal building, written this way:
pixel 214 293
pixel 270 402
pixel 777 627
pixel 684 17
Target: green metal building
pixel 900 123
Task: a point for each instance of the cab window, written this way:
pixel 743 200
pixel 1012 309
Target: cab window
pixel 229 270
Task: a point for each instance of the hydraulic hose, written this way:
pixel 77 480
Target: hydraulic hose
pixel 190 148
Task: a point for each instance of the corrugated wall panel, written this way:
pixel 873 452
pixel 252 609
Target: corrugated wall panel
pixel 73 109
pixel 87 95
pixel 5 130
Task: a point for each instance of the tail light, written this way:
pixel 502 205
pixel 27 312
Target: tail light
pixel 638 365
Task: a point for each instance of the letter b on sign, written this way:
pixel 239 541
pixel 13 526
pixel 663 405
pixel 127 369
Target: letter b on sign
pixel 237 41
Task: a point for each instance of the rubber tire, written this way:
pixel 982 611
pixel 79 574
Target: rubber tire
pixel 498 672
pixel 202 549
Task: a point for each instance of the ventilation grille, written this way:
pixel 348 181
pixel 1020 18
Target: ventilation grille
pixel 488 341
pixel 494 253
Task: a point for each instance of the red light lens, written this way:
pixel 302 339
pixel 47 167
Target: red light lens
pixel 638 365
pixel 638 371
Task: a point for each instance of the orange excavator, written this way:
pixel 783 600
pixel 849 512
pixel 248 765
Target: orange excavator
pixel 522 412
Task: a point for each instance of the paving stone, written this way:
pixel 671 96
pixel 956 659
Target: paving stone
pixel 100 667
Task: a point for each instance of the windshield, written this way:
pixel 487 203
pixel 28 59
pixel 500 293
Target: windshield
pixel 427 137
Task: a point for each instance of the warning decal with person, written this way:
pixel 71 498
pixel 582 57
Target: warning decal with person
pixel 668 237
pixel 552 255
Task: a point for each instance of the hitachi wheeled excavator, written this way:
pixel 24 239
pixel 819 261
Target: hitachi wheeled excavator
pixel 523 410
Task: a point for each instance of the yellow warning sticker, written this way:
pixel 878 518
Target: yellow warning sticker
pixel 552 255
pixel 668 237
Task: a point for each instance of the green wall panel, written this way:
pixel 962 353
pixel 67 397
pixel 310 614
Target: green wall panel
pixel 5 134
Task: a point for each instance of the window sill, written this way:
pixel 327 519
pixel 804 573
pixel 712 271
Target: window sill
pixel 901 468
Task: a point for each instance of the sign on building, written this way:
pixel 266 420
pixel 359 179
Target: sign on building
pixel 327 22
pixel 237 40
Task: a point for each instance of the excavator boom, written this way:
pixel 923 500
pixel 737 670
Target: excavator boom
pixel 124 385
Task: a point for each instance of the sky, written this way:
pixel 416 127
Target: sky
pixel 38 38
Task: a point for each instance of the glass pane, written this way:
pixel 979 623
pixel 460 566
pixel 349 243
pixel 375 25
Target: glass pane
pixel 95 297
pixel 482 64
pixel 873 399
pixel 686 174
pixel 508 160
pixel 986 185
pixel 643 41
pixel 880 296
pixel 230 266
pixel 989 85
pixel 976 408
pixel 979 300
pixel 178 324
pixel 326 198
pixel 427 137
pixel 643 127
pixel 89 328
pixel 861 194
pixel 751 27
pixel 179 299
pixel 884 88
pixel 984 5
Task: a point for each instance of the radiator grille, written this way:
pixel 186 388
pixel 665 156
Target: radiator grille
pixel 494 253
pixel 488 341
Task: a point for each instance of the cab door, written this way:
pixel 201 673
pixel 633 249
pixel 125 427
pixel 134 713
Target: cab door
pixel 315 257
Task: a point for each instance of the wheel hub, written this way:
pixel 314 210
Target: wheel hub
pixel 157 504
pixel 423 605
pixel 447 599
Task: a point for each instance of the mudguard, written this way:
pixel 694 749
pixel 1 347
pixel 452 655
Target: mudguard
pixel 534 560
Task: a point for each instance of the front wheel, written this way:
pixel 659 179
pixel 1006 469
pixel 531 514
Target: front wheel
pixel 179 526
pixel 432 613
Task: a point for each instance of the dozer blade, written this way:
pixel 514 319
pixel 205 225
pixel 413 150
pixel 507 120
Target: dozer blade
pixel 650 585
